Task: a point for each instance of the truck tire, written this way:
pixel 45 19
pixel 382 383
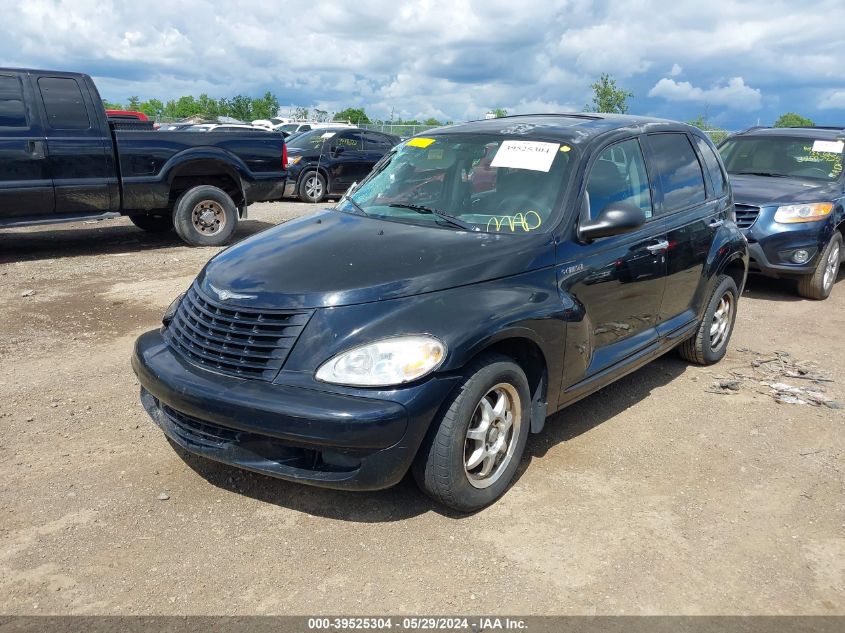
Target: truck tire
pixel 153 222
pixel 819 283
pixel 473 450
pixel 205 216
pixel 312 187
pixel 709 344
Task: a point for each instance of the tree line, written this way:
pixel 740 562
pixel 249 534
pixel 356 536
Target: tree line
pixel 607 97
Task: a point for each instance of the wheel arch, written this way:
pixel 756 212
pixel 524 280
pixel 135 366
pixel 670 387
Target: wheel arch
pixel 206 171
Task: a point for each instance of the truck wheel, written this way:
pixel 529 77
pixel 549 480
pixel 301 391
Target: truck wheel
pixel 710 342
pixel 153 222
pixel 312 187
pixel 819 283
pixel 205 216
pixel 473 450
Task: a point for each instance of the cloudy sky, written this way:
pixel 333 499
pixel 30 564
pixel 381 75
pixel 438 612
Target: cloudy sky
pixel 735 61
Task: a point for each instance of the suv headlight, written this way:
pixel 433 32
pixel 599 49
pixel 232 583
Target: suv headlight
pixel 391 361
pixel 168 315
pixel 792 213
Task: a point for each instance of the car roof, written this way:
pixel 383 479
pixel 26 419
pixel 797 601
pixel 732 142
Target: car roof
pixel 816 132
pixel 574 128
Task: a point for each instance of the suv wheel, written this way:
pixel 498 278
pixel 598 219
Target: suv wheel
pixel 153 222
pixel 819 283
pixel 205 216
pixel 710 342
pixel 312 187
pixel 474 449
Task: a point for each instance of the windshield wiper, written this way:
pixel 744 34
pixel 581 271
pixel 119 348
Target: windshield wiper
pixel 759 173
pixel 451 219
pixel 358 208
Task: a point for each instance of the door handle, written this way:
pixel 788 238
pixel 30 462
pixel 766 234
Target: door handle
pixel 715 224
pixel 659 247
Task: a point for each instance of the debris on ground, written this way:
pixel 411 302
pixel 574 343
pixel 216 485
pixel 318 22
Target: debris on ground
pixel 28 293
pixel 767 374
pixel 163 496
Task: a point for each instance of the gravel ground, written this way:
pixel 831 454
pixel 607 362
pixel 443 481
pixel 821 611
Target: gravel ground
pixel 661 494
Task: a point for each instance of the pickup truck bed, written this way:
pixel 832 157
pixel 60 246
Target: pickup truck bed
pixel 61 160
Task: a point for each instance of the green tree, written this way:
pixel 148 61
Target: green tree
pixel 112 105
pixel 240 107
pixel 791 119
pixel 134 102
pixel 607 97
pixel 265 107
pixel 716 134
pixel 499 112
pixel 321 115
pixel 152 108
pixel 185 106
pixel 300 114
pixel 432 121
pixel 353 115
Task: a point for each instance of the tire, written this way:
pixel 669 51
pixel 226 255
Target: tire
pixel 819 283
pixel 444 467
pixel 153 222
pixel 706 346
pixel 312 187
pixel 205 216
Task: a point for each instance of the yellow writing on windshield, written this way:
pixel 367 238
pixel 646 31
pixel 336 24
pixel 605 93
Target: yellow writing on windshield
pixel 527 221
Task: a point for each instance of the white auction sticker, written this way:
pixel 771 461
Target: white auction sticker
pixel 833 147
pixel 532 155
pixel 327 135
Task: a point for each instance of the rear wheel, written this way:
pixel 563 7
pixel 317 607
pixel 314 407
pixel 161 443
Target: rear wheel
pixel 474 449
pixel 312 187
pixel 205 216
pixel 153 222
pixel 819 283
pixel 710 342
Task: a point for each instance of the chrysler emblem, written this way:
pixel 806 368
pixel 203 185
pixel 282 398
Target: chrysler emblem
pixel 225 295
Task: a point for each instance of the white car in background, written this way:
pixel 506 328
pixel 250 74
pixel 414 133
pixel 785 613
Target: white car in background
pixel 223 127
pixel 272 123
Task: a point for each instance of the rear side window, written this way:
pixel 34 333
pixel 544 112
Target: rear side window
pixel 64 103
pixel 619 175
pixel 720 187
pixel 349 141
pixel 12 111
pixel 376 141
pixel 678 170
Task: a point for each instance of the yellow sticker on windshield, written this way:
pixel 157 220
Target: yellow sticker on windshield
pixel 420 142
pixel 565 148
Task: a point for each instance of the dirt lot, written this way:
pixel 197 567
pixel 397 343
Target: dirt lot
pixel 655 495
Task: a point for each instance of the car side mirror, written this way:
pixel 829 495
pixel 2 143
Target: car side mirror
pixel 615 219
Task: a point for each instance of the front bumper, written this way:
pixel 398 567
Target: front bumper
pixel 770 246
pixel 323 438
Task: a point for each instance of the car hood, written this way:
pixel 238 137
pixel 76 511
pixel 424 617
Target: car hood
pixel 764 190
pixel 334 259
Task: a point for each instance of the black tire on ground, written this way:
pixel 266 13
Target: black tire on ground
pixel 153 222
pixel 312 187
pixel 819 283
pixel 446 467
pixel 710 342
pixel 205 216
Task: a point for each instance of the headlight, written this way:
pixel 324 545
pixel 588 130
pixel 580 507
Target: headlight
pixel 387 362
pixel 168 315
pixel 792 213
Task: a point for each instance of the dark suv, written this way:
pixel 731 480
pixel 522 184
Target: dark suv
pixel 789 191
pixel 431 321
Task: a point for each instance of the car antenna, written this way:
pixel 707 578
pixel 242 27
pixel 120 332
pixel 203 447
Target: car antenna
pixel 325 136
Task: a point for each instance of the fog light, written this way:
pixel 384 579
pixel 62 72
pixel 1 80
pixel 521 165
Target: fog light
pixel 800 256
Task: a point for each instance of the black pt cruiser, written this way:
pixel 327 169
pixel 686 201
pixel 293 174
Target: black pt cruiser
pixel 482 277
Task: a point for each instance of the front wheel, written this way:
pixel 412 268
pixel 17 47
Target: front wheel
pixel 205 216
pixel 710 342
pixel 818 284
pixel 312 187
pixel 474 449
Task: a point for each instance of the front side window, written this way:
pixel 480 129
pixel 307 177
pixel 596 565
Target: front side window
pixel 423 178
pixel 781 156
pixel 619 175
pixel 64 103
pixel 678 170
pixel 12 111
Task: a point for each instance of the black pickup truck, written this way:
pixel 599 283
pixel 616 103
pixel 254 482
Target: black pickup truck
pixel 61 161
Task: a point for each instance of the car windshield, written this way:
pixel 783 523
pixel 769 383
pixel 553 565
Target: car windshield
pixel 481 182
pixel 289 127
pixel 783 156
pixel 312 139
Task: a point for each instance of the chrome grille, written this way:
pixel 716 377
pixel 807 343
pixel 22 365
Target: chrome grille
pixel 746 215
pixel 233 340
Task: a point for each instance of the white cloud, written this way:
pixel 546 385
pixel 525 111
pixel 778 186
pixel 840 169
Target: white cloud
pixel 735 94
pixel 676 70
pixel 833 101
